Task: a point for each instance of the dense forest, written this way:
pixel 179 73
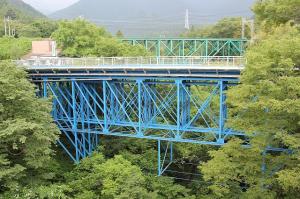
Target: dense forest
pixel 266 104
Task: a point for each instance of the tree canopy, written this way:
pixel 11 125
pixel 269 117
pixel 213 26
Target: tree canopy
pixel 276 12
pixel 266 104
pixel 12 48
pixel 80 38
pixel 26 130
pixel 225 28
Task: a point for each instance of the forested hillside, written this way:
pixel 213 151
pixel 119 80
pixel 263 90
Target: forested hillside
pixel 153 17
pixel 265 105
pixel 24 20
pixel 17 9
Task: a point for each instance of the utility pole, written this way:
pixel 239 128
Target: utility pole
pixel 187 23
pixel 9 28
pixel 243 27
pixel 252 29
pixel 5 27
pixel 244 23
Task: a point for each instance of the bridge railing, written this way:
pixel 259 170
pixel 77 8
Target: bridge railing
pixel 135 61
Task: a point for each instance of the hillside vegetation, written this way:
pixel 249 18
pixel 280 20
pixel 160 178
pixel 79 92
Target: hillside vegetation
pixel 152 17
pixel 266 104
pixel 25 20
pixel 19 10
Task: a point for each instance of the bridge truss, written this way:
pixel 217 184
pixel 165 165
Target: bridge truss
pixel 172 110
pixel 167 99
pixel 190 47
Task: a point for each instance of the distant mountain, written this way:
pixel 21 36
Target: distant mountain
pixel 153 17
pixel 17 9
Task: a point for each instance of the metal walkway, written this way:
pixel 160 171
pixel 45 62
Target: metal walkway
pixel 190 67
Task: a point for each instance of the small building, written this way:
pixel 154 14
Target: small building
pixel 44 48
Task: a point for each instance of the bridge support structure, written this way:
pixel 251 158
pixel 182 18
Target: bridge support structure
pixel 190 47
pixel 167 110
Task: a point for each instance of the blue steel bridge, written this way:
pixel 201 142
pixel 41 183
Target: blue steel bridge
pixel 169 99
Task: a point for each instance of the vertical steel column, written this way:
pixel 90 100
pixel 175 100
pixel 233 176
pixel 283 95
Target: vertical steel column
pixel 206 48
pixel 185 105
pixel 54 103
pixel 104 90
pixel 178 84
pixel 146 44
pixel 82 120
pixel 158 159
pixel 88 117
pixel 183 48
pixel 74 126
pixel 45 88
pixel 139 82
pixel 171 151
pixel 158 48
pixel 221 116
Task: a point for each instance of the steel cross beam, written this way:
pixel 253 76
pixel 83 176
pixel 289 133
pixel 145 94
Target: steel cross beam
pixel 190 47
pixel 167 110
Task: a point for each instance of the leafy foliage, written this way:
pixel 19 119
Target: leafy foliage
pixel 16 9
pixel 225 28
pixel 26 129
pixel 267 103
pixel 80 38
pixel 276 12
pixel 11 48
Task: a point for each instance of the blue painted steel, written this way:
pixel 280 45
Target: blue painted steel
pixel 167 110
pixel 149 108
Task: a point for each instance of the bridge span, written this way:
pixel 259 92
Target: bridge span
pixel 168 99
pixel 191 46
pixel 197 67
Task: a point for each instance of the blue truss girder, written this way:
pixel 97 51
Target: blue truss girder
pixel 157 109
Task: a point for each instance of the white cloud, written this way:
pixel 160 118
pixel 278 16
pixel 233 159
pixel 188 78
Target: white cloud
pixel 48 6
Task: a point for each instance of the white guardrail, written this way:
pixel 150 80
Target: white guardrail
pixel 137 61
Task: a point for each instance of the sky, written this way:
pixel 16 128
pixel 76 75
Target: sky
pixel 49 6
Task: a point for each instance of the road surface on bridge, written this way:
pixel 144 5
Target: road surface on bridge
pixel 228 66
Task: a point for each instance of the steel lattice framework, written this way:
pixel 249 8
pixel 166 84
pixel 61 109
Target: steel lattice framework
pixel 167 99
pixel 181 110
pixel 191 47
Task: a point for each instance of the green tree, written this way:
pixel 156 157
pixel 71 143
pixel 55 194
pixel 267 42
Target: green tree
pixel 276 12
pixel 115 172
pixel 80 38
pixel 266 104
pixel 26 130
pixel 225 28
pixel 11 48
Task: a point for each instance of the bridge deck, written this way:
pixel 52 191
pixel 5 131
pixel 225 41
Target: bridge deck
pixel 214 67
